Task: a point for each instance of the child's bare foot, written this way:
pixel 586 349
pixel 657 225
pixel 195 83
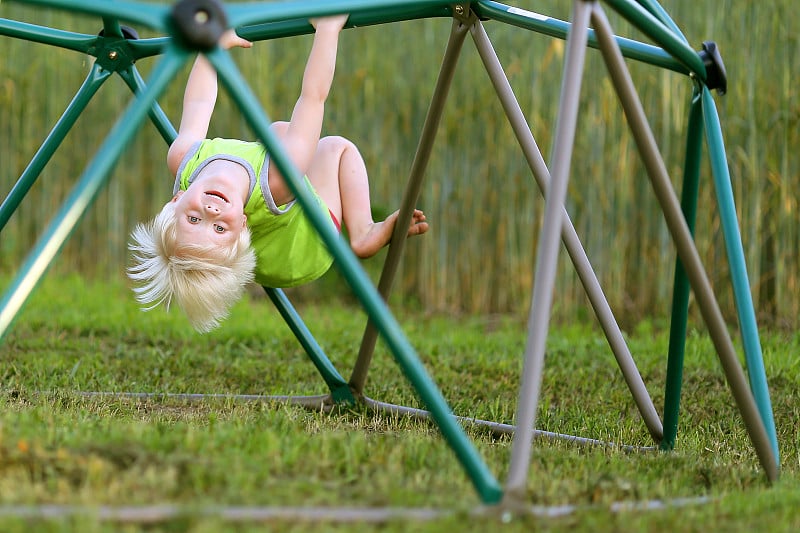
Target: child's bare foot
pixel 379 234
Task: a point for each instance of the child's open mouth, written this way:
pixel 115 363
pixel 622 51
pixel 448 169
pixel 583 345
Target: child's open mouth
pixel 217 194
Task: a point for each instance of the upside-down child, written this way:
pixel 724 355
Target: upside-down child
pixel 233 219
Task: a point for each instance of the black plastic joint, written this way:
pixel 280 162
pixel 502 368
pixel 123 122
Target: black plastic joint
pixel 716 76
pixel 127 33
pixel 199 24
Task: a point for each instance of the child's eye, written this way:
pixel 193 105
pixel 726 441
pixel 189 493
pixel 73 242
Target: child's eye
pixel 193 220
pixel 219 229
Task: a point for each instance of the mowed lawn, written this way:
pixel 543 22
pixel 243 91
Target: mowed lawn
pixel 204 458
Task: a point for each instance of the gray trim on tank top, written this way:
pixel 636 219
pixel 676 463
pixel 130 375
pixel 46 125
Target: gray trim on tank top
pixel 265 191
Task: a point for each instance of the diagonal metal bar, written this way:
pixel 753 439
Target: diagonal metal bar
pixel 739 279
pixel 569 236
pixel 547 251
pixel 424 148
pixel 340 391
pixel 405 356
pixel 83 194
pixel 157 116
pixel 655 9
pixel 91 84
pixel 687 252
pixel 651 26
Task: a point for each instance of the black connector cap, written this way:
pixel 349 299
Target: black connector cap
pixel 199 24
pixel 716 76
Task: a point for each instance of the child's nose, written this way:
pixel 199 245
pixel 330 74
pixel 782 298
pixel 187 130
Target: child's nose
pixel 211 208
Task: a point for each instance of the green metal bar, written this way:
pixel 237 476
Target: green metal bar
pixel 739 278
pixel 661 34
pixel 546 25
pixel 31 173
pixel 655 9
pixel 681 288
pixel 246 14
pixel 147 14
pixel 290 28
pixel 485 484
pixel 142 48
pixel 85 191
pixel 79 42
pixel 157 116
pixel 340 391
pixel 111 28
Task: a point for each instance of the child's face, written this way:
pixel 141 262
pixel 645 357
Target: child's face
pixel 209 213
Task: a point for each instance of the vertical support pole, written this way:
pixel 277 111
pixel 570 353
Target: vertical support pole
pixel 739 279
pixel 91 84
pixel 83 194
pixel 680 290
pixel 425 146
pixel 405 356
pixel 569 236
pixel 111 27
pixel 547 250
pixel 340 392
pixel 687 252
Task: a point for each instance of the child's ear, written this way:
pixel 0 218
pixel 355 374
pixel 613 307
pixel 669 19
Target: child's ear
pixel 177 195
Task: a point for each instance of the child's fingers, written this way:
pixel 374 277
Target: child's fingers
pixel 230 39
pixel 337 21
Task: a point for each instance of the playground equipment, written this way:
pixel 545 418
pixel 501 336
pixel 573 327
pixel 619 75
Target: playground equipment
pixel 191 26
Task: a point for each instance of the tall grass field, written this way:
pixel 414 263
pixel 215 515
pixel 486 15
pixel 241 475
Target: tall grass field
pixel 479 194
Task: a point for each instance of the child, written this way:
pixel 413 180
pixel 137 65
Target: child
pixel 233 219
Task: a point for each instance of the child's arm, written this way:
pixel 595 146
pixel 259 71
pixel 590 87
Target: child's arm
pixel 301 136
pixel 199 100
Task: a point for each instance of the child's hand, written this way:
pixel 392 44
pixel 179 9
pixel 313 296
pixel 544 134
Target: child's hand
pixel 230 40
pixel 334 22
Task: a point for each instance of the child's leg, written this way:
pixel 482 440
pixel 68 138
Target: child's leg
pixel 340 177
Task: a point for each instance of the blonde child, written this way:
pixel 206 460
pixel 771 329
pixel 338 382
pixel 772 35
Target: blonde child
pixel 233 219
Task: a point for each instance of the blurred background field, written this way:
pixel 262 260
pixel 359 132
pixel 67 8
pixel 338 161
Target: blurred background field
pixel 479 195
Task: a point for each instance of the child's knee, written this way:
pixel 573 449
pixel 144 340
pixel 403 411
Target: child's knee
pixel 336 144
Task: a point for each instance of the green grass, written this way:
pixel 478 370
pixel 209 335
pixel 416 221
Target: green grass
pixel 57 447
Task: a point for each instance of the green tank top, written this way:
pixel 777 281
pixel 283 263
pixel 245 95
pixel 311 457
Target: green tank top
pixel 288 250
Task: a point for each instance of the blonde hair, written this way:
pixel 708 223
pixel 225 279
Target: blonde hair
pixel 205 281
